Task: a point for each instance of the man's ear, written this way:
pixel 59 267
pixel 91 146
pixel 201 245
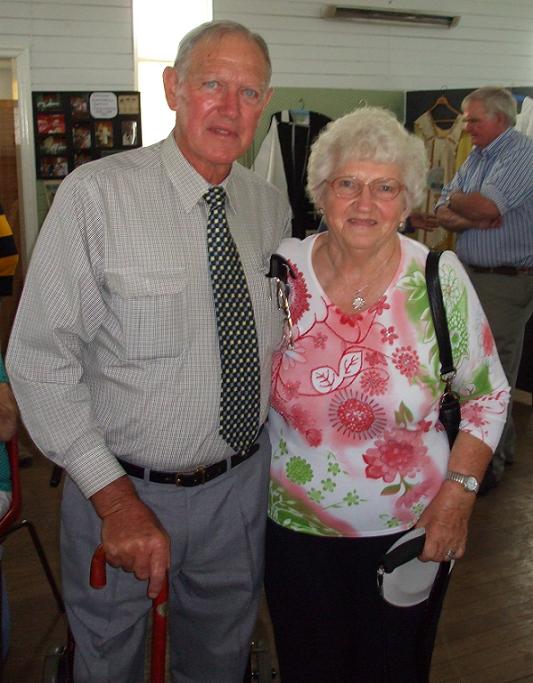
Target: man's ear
pixel 266 98
pixel 170 81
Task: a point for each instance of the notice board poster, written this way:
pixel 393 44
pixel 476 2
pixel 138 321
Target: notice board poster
pixel 72 128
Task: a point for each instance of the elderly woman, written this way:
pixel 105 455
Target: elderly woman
pixel 359 455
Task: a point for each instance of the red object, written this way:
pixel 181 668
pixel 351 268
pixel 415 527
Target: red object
pixel 11 516
pixel 159 616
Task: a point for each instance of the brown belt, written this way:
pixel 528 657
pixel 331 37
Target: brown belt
pixel 502 270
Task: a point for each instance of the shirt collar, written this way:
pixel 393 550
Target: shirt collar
pixel 190 184
pixel 496 145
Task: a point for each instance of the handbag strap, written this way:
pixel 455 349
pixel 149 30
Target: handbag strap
pixel 438 312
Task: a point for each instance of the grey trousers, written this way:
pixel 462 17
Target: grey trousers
pixel 217 535
pixel 508 304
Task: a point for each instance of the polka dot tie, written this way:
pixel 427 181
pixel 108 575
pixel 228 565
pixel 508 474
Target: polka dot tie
pixel 237 337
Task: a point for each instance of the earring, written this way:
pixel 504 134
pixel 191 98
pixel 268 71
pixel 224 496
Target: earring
pixel 401 226
pixel 320 210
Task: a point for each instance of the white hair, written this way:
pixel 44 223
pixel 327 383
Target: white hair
pixel 368 134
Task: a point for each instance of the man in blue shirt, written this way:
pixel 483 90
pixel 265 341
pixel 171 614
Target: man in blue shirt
pixel 489 204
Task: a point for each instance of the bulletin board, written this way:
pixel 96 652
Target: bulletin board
pixel 72 128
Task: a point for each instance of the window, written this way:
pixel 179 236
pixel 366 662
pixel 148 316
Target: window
pixel 158 27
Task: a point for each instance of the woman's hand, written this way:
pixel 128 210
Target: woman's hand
pixel 446 523
pixel 446 518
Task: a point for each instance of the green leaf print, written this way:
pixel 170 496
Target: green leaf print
pixel 351 498
pixel 403 416
pixel 299 470
pixel 334 468
pixel 391 490
pixel 328 485
pixel 390 522
pixel 295 514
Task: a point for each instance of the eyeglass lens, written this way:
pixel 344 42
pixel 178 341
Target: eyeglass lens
pixel 382 188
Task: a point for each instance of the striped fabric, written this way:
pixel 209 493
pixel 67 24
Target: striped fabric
pixel 502 172
pixel 8 256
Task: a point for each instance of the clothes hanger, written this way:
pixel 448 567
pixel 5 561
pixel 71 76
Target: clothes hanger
pixel 442 101
pixel 300 115
pixel 301 109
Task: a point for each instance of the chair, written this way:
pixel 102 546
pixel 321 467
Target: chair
pixel 9 523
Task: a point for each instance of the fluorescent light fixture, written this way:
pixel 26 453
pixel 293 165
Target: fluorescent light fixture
pixel 386 16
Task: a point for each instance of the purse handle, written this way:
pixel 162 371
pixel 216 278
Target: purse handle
pixel 440 322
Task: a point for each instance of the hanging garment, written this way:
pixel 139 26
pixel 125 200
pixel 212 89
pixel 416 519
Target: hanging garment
pixel 441 146
pixel 524 120
pixel 282 160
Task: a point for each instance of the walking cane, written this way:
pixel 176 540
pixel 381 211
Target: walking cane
pixel 159 616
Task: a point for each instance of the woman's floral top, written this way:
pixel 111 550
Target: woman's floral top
pixel 357 446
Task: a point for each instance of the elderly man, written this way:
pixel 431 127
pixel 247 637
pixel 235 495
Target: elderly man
pixel 141 359
pixel 489 203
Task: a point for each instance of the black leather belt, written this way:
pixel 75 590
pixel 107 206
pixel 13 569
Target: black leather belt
pixel 200 475
pixel 502 270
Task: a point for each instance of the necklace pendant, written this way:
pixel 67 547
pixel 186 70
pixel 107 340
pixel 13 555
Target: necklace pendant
pixel 358 302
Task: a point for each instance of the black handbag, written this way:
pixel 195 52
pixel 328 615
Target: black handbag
pixel 449 407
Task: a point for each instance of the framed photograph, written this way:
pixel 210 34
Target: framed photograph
pixel 53 167
pixel 82 136
pixel 103 133
pixel 128 104
pixel 128 129
pixel 81 158
pixel 48 101
pixel 79 107
pixel 72 128
pixel 50 187
pixel 53 144
pixel 51 123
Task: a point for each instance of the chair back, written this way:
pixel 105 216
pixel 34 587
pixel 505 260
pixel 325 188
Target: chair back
pixel 13 512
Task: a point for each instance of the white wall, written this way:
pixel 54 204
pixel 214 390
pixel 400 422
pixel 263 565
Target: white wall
pixel 73 44
pixel 492 44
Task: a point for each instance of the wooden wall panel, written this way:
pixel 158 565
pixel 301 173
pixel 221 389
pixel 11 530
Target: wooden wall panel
pixel 491 45
pixel 74 44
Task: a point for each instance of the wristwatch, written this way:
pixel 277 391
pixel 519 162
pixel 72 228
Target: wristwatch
pixel 467 481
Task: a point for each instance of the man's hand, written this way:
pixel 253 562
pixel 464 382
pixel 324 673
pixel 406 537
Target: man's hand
pixel 8 412
pixel 424 221
pixel 132 536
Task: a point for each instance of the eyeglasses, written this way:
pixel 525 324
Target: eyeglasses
pixel 348 187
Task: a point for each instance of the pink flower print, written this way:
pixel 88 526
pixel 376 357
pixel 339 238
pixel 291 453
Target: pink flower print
pixel 488 340
pixel 320 340
pixel 313 437
pixel 380 306
pixel 388 335
pixel 373 383
pixel 291 390
pixel 424 425
pixel 398 452
pixel 355 415
pixel 346 319
pixel 299 295
pixel 375 358
pixel 473 412
pixel 406 360
pixel 299 418
pixel 415 493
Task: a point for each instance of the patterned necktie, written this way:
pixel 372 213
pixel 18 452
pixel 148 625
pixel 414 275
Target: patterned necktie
pixel 237 337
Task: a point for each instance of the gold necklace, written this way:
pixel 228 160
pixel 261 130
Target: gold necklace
pixel 358 300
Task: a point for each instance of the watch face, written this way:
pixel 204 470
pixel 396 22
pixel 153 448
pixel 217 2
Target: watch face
pixel 471 484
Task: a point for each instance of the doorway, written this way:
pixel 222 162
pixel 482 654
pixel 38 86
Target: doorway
pixel 17 170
